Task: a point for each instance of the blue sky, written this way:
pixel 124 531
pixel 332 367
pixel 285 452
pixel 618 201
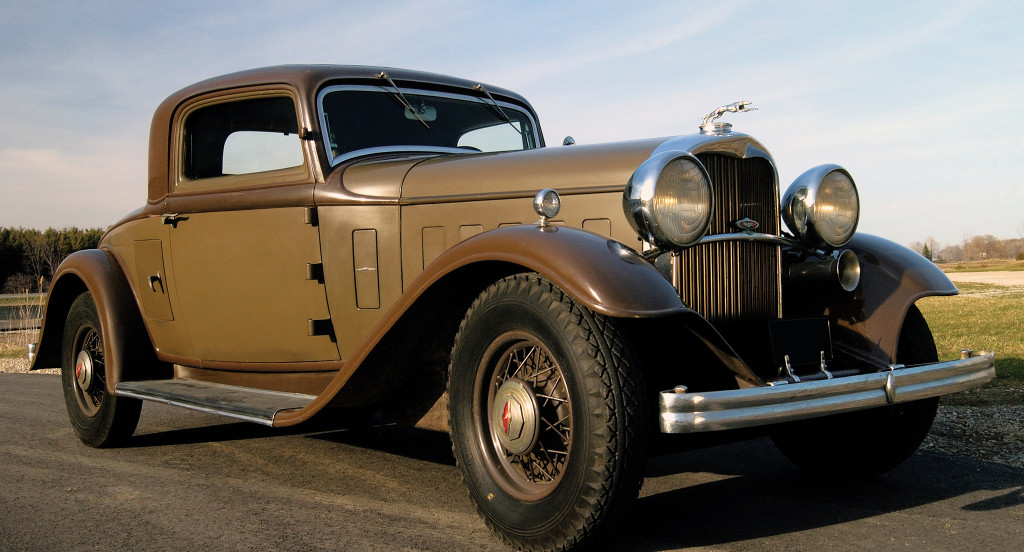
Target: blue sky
pixel 920 101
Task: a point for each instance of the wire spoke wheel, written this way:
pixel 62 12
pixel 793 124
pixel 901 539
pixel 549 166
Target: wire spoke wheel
pixel 531 416
pixel 90 371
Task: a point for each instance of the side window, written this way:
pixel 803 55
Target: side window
pixel 241 137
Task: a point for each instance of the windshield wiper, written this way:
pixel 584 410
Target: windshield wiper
pixel 401 97
pixel 501 111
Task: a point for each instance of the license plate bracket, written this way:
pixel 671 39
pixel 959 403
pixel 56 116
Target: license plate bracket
pixel 804 340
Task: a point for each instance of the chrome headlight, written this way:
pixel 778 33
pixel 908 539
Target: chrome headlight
pixel 822 207
pixel 668 200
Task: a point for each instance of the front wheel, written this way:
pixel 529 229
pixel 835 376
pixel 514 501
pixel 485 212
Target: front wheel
pixel 867 442
pixel 547 415
pixel 99 418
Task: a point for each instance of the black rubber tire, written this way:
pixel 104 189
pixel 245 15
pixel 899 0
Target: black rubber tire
pixel 593 487
pixel 98 418
pixel 868 442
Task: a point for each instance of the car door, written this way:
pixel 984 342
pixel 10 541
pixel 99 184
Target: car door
pixel 244 240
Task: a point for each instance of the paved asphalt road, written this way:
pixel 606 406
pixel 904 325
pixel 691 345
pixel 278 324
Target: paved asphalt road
pixel 192 481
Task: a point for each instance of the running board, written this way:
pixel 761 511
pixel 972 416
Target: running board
pixel 244 403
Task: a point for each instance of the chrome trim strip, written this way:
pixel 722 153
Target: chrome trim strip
pixel 489 196
pixel 410 149
pixel 757 406
pixel 735 144
pixel 753 237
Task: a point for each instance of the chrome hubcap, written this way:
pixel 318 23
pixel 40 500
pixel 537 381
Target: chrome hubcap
pixel 89 371
pixel 84 369
pixel 514 416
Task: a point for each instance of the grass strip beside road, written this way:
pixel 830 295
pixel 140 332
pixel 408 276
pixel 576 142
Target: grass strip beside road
pixel 992 265
pixel 983 316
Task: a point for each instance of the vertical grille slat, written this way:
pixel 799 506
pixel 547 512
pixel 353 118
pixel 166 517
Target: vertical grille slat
pixel 735 284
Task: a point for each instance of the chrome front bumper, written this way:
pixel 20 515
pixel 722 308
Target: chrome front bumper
pixel 683 412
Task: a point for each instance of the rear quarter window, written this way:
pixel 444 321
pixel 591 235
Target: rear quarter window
pixel 241 137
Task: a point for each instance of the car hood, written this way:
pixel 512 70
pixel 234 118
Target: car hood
pixel 419 178
pixel 528 171
pixel 426 178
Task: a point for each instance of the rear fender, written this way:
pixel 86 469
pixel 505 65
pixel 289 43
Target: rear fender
pixel 129 351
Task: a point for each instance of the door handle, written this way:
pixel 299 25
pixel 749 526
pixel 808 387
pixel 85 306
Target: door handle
pixel 153 279
pixel 173 219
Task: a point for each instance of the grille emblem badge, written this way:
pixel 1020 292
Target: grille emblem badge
pixel 747 225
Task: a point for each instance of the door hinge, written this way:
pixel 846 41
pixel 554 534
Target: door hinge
pixel 321 326
pixel 310 217
pixel 315 271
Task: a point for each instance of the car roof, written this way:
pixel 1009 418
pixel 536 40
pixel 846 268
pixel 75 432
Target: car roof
pixel 306 80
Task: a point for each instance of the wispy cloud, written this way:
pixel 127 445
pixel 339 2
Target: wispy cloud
pixel 919 93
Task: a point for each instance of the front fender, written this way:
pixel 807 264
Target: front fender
pixel 129 352
pixel 416 333
pixel 892 279
pixel 606 276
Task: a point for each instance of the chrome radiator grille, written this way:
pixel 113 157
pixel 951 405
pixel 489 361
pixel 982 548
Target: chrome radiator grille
pixel 735 284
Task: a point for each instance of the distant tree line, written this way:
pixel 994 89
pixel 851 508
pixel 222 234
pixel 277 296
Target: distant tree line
pixel 29 257
pixel 972 248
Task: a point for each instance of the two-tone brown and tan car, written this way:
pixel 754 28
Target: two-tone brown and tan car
pixel 354 240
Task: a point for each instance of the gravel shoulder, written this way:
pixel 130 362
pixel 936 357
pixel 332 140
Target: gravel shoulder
pixel 993 433
pixel 20 366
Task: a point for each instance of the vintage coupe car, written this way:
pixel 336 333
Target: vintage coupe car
pixel 357 241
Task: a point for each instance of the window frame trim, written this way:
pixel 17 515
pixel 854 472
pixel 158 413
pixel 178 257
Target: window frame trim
pixel 183 185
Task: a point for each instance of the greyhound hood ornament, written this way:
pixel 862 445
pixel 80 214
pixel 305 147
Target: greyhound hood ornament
pixel 709 126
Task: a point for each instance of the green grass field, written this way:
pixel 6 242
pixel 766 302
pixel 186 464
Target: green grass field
pixel 983 316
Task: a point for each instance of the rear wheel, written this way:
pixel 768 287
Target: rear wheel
pixel 98 418
pixel 547 415
pixel 867 442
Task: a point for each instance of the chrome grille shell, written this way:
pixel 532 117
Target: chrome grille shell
pixel 731 282
pixel 736 284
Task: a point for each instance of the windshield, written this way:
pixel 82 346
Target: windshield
pixel 365 119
